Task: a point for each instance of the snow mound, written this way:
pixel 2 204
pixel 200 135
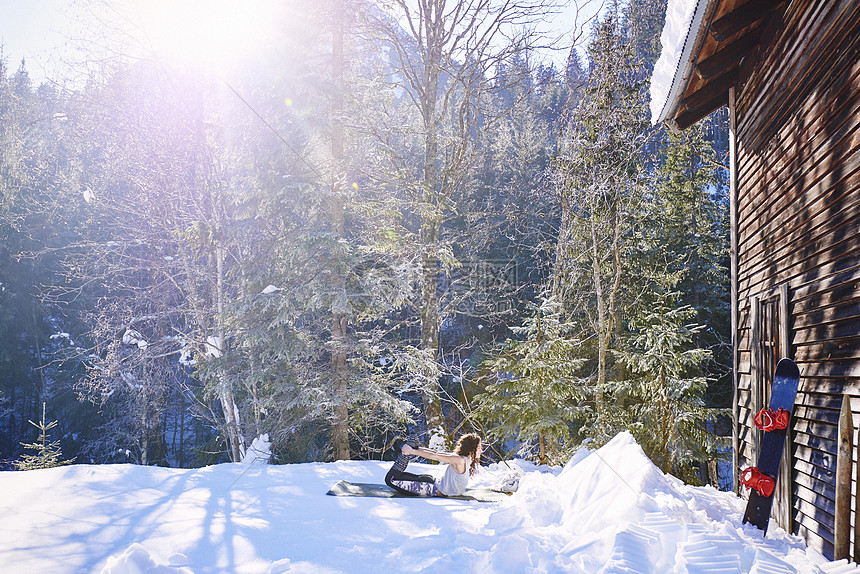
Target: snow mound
pixel 259 451
pixel 613 510
pixel 585 504
pixel 137 560
pixel 593 491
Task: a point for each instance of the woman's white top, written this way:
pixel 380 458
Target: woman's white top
pixel 453 483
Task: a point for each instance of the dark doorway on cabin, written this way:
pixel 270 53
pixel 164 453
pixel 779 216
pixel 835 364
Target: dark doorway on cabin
pixel 770 351
pixel 770 337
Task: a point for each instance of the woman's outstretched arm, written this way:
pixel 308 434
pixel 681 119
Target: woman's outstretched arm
pixel 455 460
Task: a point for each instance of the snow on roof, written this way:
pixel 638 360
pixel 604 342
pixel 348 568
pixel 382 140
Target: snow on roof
pixel 673 68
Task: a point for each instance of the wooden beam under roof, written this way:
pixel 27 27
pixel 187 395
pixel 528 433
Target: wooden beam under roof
pixel 708 98
pixel 716 85
pixel 741 17
pixel 728 57
pixel 691 116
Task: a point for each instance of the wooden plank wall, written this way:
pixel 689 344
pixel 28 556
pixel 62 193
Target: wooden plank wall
pixel 798 170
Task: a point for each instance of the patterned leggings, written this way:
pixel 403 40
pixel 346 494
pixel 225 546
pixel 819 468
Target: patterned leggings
pixel 408 483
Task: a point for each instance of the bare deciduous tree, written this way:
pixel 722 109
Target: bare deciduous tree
pixel 446 58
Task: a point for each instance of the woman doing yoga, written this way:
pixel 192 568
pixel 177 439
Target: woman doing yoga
pixel 462 463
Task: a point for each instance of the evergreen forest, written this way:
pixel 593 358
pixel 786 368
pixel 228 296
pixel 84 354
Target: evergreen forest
pixel 400 215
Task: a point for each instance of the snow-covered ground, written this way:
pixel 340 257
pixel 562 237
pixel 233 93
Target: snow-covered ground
pixel 609 510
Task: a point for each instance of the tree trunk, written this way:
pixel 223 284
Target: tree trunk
pixel 235 441
pixel 614 317
pixel 607 317
pixel 430 330
pixel 43 386
pixel 144 439
pixel 340 430
pixel 339 371
pixel 181 412
pixel 542 441
pixel 664 407
pixel 231 417
pixel 430 226
pixel 561 251
pixel 602 327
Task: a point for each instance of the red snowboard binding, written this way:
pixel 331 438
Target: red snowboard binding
pixel 752 477
pixel 767 420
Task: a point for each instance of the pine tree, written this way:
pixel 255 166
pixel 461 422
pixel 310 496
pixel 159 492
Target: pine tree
pixel 643 23
pixel 686 228
pixel 665 393
pixel 690 218
pixel 600 188
pixel 47 454
pixel 533 389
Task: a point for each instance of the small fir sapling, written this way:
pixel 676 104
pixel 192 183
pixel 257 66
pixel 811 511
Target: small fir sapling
pixel 47 454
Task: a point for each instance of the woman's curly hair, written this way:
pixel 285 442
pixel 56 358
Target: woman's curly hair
pixel 467 445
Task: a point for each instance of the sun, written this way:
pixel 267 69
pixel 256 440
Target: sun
pixel 214 35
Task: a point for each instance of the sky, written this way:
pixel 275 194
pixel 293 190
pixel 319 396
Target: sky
pixel 31 29
pixel 49 33
pixel 199 31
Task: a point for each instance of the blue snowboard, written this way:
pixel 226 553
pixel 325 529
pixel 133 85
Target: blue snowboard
pixel 783 393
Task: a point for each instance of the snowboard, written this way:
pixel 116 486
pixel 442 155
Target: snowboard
pixel 344 488
pixel 783 393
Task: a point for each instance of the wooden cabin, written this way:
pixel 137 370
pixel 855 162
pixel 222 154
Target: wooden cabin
pixel 789 71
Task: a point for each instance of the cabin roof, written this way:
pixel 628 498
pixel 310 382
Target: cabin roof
pixel 708 46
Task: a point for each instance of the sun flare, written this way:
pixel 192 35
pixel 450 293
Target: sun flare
pixel 208 34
